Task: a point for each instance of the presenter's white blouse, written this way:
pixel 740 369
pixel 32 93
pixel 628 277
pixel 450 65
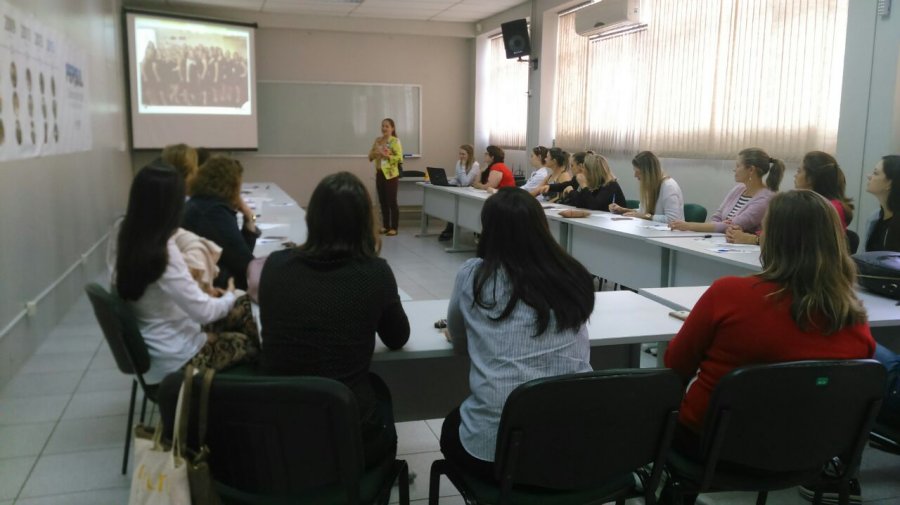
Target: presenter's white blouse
pixel 170 313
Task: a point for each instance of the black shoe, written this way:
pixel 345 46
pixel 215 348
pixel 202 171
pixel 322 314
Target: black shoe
pixel 444 236
pixel 830 492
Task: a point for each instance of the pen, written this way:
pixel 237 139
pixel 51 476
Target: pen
pixel 707 236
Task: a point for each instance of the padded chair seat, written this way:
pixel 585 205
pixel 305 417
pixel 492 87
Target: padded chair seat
pixel 489 492
pixel 370 484
pixel 733 477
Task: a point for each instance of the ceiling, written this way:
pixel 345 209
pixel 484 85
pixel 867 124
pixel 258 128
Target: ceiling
pixel 465 11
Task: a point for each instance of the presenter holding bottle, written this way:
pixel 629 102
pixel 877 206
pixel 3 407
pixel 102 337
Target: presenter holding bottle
pixel 387 153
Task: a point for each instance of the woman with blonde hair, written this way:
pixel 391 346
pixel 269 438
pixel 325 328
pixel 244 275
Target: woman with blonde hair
pixel 185 160
pixel 467 171
pixel 745 205
pixel 801 306
pixel 596 187
pixel 212 213
pixel 661 198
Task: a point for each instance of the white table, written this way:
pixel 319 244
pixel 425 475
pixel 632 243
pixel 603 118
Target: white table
pixel 619 248
pixel 428 379
pixel 408 192
pixel 280 218
pixel 701 260
pixel 883 312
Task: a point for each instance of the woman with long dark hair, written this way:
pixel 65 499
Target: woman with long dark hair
pixel 495 174
pixel 322 303
pixel 519 310
pixel 882 230
pixel 152 276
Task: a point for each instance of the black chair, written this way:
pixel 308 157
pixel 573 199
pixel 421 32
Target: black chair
pixel 412 173
pixel 694 213
pixel 577 439
pixel 852 241
pixel 290 440
pixel 519 180
pixel 776 426
pixel 128 348
pixel 885 438
pixel 632 204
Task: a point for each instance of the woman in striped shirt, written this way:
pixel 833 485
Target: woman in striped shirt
pixel 745 205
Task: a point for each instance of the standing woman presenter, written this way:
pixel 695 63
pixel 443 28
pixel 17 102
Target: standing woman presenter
pixel 387 153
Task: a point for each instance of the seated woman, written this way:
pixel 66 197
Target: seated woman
pixel 538 162
pixel 519 311
pixel 882 230
pixel 745 205
pixel 661 198
pixel 467 171
pixel 185 159
pixel 151 275
pixel 819 172
pixel 596 187
pixel 322 303
pixel 792 310
pixel 559 178
pixel 496 174
pixel 212 213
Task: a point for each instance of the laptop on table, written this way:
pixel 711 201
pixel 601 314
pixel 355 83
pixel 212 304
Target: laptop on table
pixel 437 176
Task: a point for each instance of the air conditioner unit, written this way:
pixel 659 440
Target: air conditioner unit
pixel 608 16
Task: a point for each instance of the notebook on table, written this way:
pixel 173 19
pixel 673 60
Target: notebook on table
pixel 437 176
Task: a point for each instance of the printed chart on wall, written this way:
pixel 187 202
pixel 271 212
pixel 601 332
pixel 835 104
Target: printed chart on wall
pixel 43 89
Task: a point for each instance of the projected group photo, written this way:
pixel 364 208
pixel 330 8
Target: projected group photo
pixel 193 70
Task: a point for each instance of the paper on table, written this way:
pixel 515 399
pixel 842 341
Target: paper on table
pixel 659 227
pixel 269 226
pixel 733 248
pixel 282 204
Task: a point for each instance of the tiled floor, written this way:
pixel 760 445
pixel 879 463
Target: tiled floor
pixel 62 417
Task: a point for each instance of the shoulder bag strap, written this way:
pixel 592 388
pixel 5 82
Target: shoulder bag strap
pixel 204 406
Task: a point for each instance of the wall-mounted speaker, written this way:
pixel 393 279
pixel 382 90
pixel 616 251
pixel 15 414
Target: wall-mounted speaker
pixel 515 38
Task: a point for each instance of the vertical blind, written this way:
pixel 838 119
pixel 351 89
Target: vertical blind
pixel 507 101
pixel 706 79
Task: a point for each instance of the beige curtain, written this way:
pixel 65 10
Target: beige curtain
pixel 708 78
pixel 507 98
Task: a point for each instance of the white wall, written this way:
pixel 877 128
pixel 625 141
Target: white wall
pixel 55 208
pixel 435 55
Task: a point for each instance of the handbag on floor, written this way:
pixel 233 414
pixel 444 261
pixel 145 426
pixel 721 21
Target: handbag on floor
pixel 170 473
pixel 879 272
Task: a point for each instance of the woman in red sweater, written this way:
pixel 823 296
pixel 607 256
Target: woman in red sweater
pixel 800 307
pixel 496 174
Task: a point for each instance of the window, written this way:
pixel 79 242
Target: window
pixel 706 79
pixel 507 98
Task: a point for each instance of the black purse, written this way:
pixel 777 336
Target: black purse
pixel 879 272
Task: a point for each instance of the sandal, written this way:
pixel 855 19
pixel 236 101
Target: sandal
pixel 382 231
pixel 391 233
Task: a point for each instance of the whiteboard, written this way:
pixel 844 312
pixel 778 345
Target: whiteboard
pixel 335 119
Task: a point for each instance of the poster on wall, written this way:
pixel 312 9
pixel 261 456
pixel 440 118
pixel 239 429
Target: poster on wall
pixel 43 89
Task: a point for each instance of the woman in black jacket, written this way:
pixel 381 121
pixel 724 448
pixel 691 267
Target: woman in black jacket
pixel 212 213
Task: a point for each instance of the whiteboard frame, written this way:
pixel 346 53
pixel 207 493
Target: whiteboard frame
pixel 418 155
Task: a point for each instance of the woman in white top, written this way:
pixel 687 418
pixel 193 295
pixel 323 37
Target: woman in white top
pixel 467 170
pixel 153 278
pixel 661 198
pixel 538 161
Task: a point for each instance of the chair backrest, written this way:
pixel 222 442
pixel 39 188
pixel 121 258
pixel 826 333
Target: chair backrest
pixel 120 330
pixel 277 436
pixel 573 431
pixel 793 416
pixel 632 204
pixel 694 213
pixel 852 241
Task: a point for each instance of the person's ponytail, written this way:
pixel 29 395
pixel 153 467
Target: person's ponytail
pixel 776 173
